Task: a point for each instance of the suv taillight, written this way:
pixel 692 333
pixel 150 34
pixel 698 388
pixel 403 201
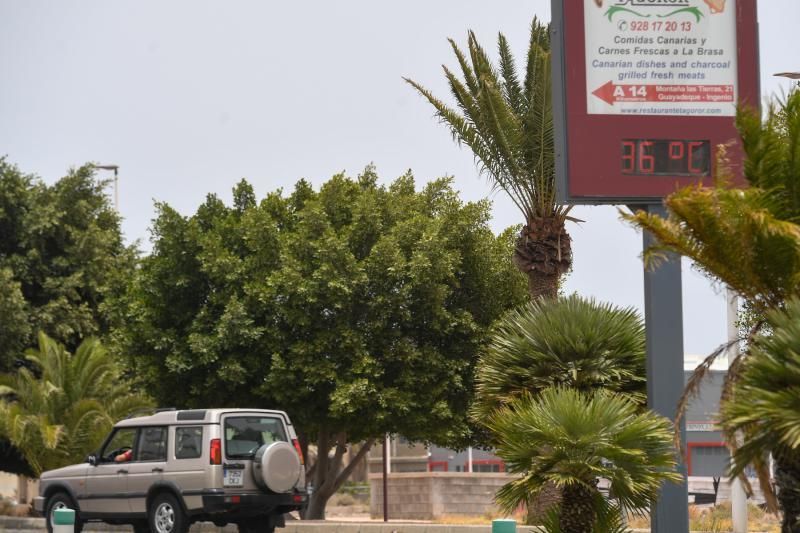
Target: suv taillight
pixel 299 451
pixel 215 455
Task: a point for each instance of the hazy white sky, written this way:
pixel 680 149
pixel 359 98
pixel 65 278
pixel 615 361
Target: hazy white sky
pixel 190 96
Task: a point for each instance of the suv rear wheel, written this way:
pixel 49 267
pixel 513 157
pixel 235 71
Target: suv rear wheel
pixel 166 515
pixel 61 500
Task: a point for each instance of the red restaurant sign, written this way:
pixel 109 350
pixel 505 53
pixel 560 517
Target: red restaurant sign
pixel 645 91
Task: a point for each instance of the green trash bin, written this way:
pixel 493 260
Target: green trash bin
pixel 504 525
pixel 63 521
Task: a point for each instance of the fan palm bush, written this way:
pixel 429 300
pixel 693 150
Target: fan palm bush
pixel 765 409
pixel 573 341
pixel 508 125
pixel 60 410
pixel 572 439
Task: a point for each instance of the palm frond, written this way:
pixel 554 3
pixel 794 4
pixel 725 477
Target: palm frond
pixel 466 69
pixel 693 385
pixel 57 419
pixel 773 151
pixel 508 70
pixel 734 236
pixel 572 341
pixel 538 123
pixel 763 403
pixel 507 124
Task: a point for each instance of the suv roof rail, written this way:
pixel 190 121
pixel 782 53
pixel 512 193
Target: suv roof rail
pixel 148 410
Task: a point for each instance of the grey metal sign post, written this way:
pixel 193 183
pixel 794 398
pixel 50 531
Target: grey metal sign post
pixel 663 310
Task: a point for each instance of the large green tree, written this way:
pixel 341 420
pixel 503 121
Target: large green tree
pixel 62 259
pixel 62 264
pixel 61 409
pixel 358 308
pixel 749 239
pixel 508 125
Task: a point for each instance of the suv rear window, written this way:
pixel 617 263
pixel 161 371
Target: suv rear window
pixel 246 434
pixel 188 441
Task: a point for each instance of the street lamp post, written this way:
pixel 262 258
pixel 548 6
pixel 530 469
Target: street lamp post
pixel 790 75
pixel 738 494
pixel 115 168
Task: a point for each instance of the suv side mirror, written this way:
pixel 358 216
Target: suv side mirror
pixel 92 459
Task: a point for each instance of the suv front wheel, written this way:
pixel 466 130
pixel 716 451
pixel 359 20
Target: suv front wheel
pixel 166 515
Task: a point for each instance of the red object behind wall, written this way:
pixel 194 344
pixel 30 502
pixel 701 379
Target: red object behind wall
pixel 691 445
pixel 437 466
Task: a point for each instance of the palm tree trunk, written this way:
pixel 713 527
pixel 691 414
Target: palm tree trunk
pixel 577 509
pixel 787 477
pixel 541 285
pixel 540 505
pixel 543 252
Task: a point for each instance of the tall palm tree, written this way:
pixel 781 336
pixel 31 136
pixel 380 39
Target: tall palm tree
pixel 571 439
pixel 508 125
pixel 765 408
pixel 61 410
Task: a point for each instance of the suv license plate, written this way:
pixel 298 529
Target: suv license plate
pixel 233 478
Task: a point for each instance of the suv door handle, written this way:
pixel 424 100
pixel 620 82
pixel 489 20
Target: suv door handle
pixel 157 469
pixel 122 471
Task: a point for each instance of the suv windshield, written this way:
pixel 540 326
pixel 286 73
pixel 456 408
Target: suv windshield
pixel 246 434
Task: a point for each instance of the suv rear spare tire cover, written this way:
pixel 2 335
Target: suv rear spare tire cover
pixel 276 467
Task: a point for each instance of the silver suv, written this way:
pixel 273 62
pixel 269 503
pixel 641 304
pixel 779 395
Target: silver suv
pixel 162 472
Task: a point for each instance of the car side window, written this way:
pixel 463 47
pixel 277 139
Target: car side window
pixel 121 441
pixel 188 442
pixel 152 444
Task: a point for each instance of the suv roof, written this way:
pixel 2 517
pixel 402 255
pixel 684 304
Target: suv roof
pixel 192 416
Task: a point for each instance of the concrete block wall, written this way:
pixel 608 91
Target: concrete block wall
pixel 431 495
pixel 409 496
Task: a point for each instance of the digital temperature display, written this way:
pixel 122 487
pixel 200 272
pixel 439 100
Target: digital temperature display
pixel 666 157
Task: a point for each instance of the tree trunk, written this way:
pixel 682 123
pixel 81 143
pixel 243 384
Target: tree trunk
pixel 316 508
pixel 539 505
pixel 577 509
pixel 543 285
pixel 543 253
pixel 22 490
pixel 787 477
pixel 328 474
